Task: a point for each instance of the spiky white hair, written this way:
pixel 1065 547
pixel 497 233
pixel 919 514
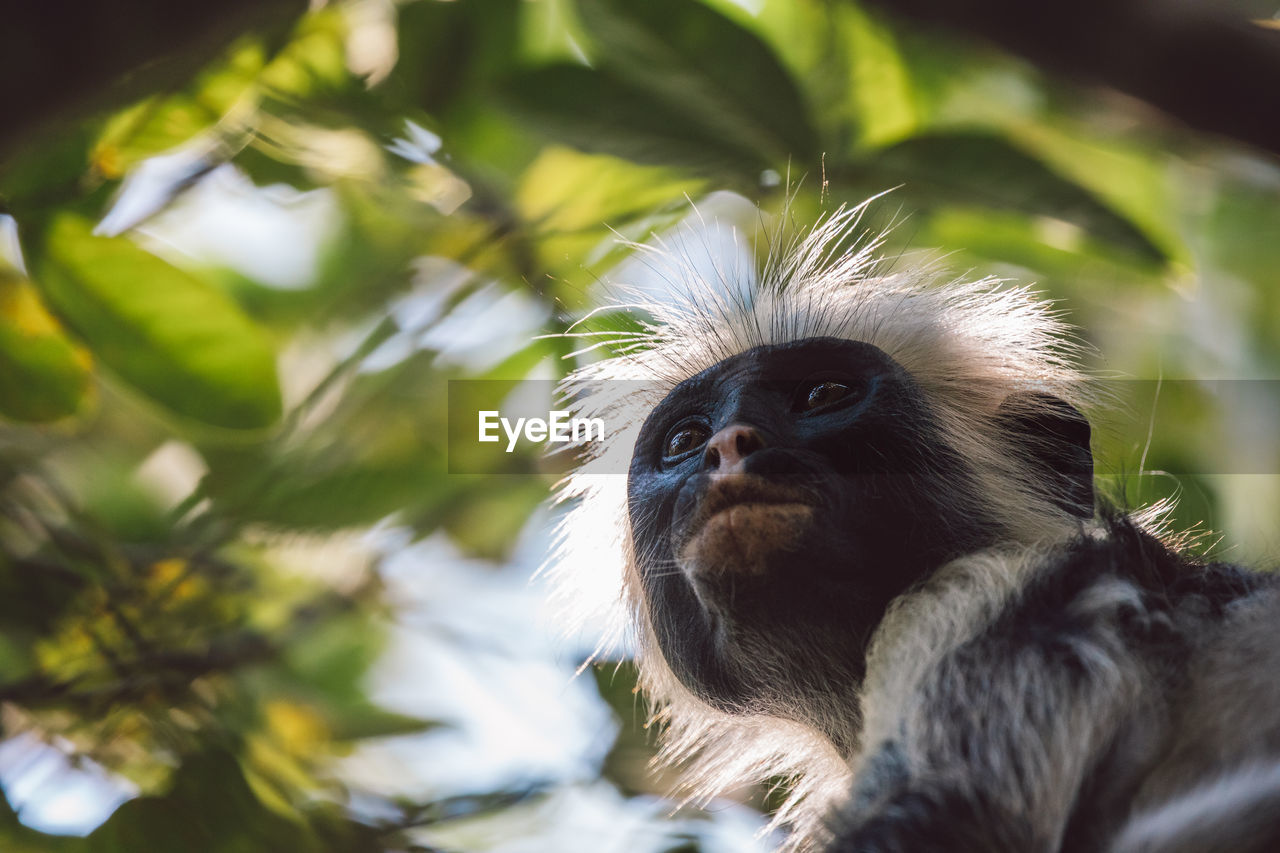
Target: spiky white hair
pixel 969 344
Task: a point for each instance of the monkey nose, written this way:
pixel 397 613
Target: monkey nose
pixel 728 449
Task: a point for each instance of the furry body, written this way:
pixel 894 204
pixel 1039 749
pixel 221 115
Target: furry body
pixel 1059 696
pixel 1018 672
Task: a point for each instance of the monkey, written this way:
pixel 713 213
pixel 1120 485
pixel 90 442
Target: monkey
pixel 862 549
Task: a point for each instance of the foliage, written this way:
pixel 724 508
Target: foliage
pixel 473 152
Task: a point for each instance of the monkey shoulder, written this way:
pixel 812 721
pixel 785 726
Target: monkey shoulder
pixel 1040 729
pixel 1121 578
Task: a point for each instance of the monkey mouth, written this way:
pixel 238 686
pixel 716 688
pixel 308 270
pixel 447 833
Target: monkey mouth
pixel 741 522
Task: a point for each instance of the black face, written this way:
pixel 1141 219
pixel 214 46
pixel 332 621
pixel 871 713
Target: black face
pixel 779 501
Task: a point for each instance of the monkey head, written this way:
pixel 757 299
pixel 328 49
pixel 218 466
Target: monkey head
pixel 800 448
pixel 782 498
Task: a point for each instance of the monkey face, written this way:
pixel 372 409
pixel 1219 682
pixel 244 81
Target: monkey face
pixel 779 501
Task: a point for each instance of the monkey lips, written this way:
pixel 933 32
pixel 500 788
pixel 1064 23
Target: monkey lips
pixel 741 522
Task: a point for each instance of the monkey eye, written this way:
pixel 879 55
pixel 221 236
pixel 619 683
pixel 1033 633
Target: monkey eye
pixel 815 395
pixel 685 438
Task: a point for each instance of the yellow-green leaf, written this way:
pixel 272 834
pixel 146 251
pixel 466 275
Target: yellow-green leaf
pixel 170 334
pixel 564 190
pixel 43 376
pixel 164 121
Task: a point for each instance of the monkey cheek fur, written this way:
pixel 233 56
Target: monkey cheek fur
pixel 742 540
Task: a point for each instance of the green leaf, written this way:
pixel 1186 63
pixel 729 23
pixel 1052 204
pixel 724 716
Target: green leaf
pixel 288 493
pixel 564 191
pixel 580 207
pixel 447 49
pixel 985 169
pixel 363 720
pixel 1241 227
pixel 495 510
pixel 597 113
pixel 43 376
pixel 164 121
pixel 326 669
pixel 314 62
pixel 265 168
pixel 171 335
pixel 813 42
pixel 881 87
pixel 1240 234
pixel 1128 177
pixel 335 656
pixel 629 759
pixel 699 62
pixel 310 65
pixel 1057 255
pixel 46 172
pixel 210 809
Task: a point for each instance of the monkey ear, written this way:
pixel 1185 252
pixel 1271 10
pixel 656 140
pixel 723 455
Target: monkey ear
pixel 1054 437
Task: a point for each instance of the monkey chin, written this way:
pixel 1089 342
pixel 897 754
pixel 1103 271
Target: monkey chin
pixel 742 538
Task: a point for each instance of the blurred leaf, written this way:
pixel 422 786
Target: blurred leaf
pixel 495 510
pixel 564 190
pixel 335 654
pixel 266 168
pixel 381 454
pixel 363 720
pixel 43 376
pixel 955 83
pixel 33 599
pixel 165 331
pixel 1241 233
pixel 325 671
pixel 16 659
pixel 881 85
pixel 122 51
pixel 119 503
pixel 297 727
pixel 447 49
pixel 369 261
pixel 582 208
pixel 1130 179
pixel 629 764
pixel 46 173
pixel 981 168
pixel 1050 247
pixel 163 122
pixel 313 64
pixel 1244 222
pixel 310 65
pixel 696 61
pixel 597 113
pixel 811 39
pixel 286 492
pixel 550 32
pixel 209 809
